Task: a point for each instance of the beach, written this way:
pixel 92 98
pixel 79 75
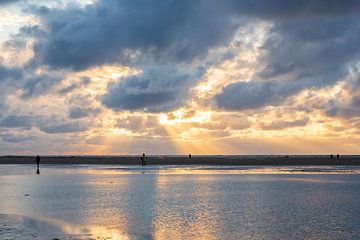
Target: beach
pixel 250 160
pixel 179 202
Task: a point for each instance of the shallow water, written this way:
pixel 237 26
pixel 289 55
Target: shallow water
pixel 172 202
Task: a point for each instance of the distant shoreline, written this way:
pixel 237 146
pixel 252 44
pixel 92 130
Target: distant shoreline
pixel 248 160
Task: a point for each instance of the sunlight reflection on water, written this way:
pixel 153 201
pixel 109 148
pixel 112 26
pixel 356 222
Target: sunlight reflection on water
pixel 173 169
pixel 169 202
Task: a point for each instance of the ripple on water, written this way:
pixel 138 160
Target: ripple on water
pixel 13 227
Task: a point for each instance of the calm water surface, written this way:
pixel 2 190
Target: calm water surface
pixel 168 202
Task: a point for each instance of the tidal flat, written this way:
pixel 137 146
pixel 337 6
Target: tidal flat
pixel 179 202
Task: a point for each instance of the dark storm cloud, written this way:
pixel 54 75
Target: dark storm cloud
pixel 277 9
pixel 17 121
pixel 314 51
pixel 121 100
pixel 7 73
pixel 104 32
pixel 38 85
pixel 256 94
pixel 152 91
pixel 246 95
pixel 310 44
pixel 109 31
pixel 308 53
pixel 134 33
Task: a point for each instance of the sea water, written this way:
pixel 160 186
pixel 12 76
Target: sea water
pixel 179 202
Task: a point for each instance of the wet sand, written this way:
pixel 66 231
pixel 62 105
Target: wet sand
pixel 179 202
pixel 248 160
pixel 14 226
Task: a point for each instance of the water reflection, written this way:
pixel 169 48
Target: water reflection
pixel 94 202
pixel 185 210
pixel 46 228
pixel 54 169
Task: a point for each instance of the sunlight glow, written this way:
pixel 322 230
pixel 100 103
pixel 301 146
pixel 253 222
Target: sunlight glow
pixel 181 116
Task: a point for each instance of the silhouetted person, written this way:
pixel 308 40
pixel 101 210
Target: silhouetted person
pixel 331 156
pixel 337 156
pixel 190 155
pixel 37 159
pixel 143 162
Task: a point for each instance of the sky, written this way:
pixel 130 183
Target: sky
pixel 96 77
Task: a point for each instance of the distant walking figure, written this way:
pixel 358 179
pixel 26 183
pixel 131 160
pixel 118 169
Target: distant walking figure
pixel 189 155
pixel 331 156
pixel 337 156
pixel 143 162
pixel 37 164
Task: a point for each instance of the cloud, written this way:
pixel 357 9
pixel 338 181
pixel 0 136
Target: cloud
pixel 54 124
pixel 314 51
pixel 257 53
pixel 78 112
pixel 67 127
pixel 7 1
pixel 8 73
pixel 142 126
pixel 17 138
pixel 46 124
pixel 346 104
pixel 131 32
pixel 84 81
pixel 248 95
pixel 36 85
pixel 356 101
pixel 139 34
pixel 283 124
pixel 154 90
pixel 68 89
pixel 283 9
pixel 17 121
pixel 136 123
pixel 345 110
pixel 178 30
pixel 310 52
pixel 167 30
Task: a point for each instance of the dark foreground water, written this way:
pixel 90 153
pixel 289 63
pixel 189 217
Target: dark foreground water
pixel 168 202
